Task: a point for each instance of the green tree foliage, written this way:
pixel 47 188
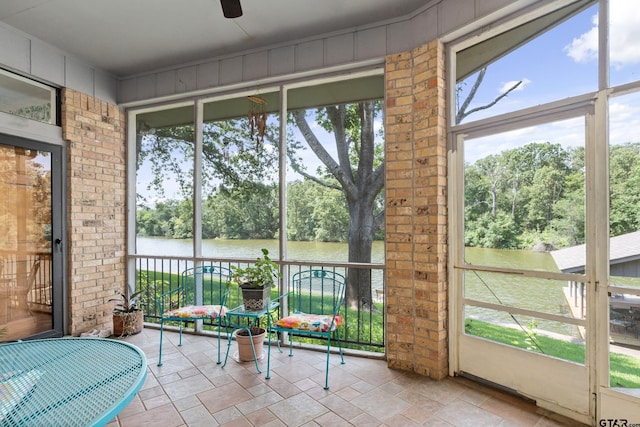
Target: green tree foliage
pixel 242 213
pixel 625 188
pixel 316 212
pixel 536 194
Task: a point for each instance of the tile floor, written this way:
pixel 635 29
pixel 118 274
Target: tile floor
pixel 190 389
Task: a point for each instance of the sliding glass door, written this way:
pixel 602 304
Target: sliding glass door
pixel 31 288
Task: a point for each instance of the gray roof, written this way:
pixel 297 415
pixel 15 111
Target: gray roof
pixel 625 247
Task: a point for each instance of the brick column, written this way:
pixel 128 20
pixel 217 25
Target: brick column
pixel 95 134
pixel 416 211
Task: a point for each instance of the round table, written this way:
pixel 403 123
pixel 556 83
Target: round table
pixel 68 381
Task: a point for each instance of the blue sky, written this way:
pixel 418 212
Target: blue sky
pixel 559 64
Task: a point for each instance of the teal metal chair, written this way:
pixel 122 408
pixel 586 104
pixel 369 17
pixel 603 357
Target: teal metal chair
pixel 201 295
pixel 312 310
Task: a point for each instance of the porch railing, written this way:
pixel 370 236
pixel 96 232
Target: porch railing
pixel 25 284
pixel 363 317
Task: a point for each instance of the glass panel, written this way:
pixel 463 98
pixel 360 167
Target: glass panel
pixel 240 176
pixel 567 70
pixel 164 182
pixel 335 180
pixel 332 153
pixel 26 98
pixel 524 198
pixel 624 254
pixel 624 348
pixel 545 336
pixel 530 293
pixel 524 332
pixel 25 250
pixel 624 22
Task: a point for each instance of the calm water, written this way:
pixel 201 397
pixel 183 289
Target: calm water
pixel 535 294
pixel 521 292
pixel 316 251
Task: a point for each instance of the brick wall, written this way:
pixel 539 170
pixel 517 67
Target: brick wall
pixel 416 212
pixel 95 235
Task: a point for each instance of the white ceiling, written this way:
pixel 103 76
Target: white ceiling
pixel 126 37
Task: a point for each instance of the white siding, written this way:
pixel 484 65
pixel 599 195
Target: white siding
pixel 339 49
pixel 34 58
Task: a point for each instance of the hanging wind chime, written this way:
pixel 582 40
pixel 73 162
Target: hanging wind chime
pixel 257 116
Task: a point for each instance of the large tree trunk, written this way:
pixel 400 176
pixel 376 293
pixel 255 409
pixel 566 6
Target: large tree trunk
pixel 361 231
pixel 360 188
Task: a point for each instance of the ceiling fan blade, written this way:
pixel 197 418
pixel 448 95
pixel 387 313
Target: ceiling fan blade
pixel 231 8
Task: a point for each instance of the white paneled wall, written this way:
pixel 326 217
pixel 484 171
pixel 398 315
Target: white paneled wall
pixel 324 52
pixel 26 55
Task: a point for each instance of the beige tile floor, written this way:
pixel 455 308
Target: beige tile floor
pixel 190 389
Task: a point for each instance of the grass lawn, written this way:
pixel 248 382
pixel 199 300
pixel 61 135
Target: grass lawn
pixel 624 370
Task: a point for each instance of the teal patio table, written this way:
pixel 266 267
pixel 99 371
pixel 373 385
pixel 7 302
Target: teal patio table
pixel 253 316
pixel 68 381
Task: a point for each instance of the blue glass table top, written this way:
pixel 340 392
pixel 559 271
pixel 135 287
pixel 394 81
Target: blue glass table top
pixel 253 314
pixel 68 381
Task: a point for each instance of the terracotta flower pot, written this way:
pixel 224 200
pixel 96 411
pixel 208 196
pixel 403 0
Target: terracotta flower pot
pixel 127 323
pixel 244 344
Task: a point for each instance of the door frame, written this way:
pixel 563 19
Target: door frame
pixel 27 133
pixel 498 363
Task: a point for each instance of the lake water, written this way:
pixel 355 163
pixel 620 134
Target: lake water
pixel 303 251
pixel 534 294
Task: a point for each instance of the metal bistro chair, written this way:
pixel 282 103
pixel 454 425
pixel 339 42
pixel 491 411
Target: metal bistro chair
pixel 185 303
pixel 313 303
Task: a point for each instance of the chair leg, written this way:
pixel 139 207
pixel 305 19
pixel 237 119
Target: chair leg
pixel 180 340
pixel 326 372
pixel 268 376
pixel 340 347
pixel 290 345
pixel 326 380
pixel 219 360
pixel 160 352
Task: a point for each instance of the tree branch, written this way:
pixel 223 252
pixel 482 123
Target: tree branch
pixel 337 117
pixel 367 138
pixel 336 170
pixel 472 94
pixel 318 180
pixel 495 101
pixel 462 112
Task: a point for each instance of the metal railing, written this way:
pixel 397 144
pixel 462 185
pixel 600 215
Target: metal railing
pixel 25 284
pixel 363 311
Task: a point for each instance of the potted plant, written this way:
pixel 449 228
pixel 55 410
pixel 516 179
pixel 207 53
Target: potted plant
pixel 245 351
pixel 256 281
pixel 127 315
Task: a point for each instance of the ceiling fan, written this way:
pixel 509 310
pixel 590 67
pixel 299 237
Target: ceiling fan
pixel 231 8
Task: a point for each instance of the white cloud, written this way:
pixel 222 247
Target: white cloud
pixel 567 133
pixel 624 119
pixel 508 85
pixel 624 126
pixel 584 48
pixel 625 33
pixel 624 42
